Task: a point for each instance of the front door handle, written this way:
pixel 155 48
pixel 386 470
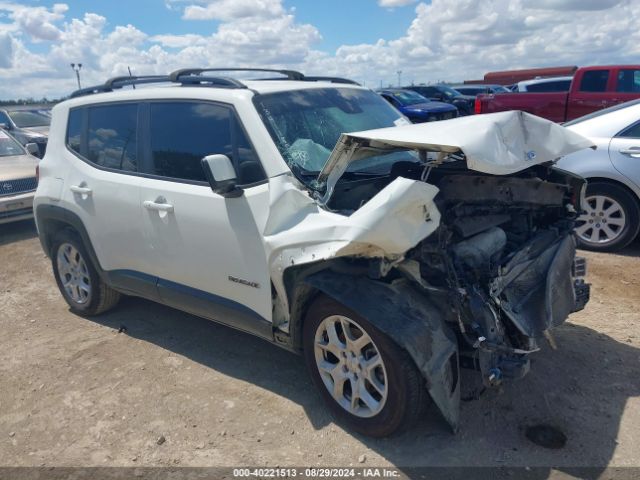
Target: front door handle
pixel 632 152
pixel 159 205
pixel 81 189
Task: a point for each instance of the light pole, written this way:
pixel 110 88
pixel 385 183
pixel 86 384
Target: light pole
pixel 76 68
pixel 399 77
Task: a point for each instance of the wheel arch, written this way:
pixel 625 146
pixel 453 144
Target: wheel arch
pixel 51 219
pixel 410 319
pixel 617 182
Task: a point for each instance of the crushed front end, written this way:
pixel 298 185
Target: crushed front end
pixel 505 251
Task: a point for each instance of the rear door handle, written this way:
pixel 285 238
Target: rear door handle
pixel 159 205
pixel 632 152
pixel 81 189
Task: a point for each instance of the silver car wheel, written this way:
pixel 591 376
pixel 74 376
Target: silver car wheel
pixel 603 221
pixel 74 274
pixel 351 366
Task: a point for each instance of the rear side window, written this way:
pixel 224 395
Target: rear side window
pixel 594 81
pixel 112 136
pixel 628 81
pixel 74 130
pixel 182 133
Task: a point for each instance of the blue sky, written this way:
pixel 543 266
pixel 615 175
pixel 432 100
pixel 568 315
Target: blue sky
pixel 372 22
pixel 367 40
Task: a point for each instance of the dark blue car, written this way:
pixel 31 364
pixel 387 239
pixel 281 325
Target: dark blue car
pixel 417 108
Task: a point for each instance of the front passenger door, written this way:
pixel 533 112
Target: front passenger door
pixel 207 250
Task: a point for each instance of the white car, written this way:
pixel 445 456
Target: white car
pixel 389 257
pixel 612 208
pixel 549 84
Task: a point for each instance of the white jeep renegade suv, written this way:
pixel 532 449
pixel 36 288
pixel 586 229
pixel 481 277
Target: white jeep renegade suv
pixel 308 211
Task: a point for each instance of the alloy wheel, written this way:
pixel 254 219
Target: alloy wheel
pixel 603 221
pixel 74 274
pixel 351 366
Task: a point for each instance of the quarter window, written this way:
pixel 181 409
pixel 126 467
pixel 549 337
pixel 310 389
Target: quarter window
pixel 74 130
pixel 594 81
pixel 111 140
pixel 182 133
pixel 628 81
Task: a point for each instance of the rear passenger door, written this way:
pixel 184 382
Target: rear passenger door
pixel 102 184
pixel 206 250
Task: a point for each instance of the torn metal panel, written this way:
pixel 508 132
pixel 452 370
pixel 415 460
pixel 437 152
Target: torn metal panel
pixel 299 231
pixel 408 317
pixel 499 143
pixel 536 287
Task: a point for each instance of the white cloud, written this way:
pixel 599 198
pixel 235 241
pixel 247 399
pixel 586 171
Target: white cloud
pixel 447 40
pixel 37 22
pixel 227 10
pixel 395 3
pixel 6 50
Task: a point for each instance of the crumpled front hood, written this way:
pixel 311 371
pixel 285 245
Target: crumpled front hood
pixel 498 143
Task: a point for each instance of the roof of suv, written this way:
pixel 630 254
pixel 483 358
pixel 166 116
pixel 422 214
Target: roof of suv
pixel 197 77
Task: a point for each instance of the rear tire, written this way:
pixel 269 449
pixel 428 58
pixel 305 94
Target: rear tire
pixel 612 218
pixel 390 396
pixel 77 278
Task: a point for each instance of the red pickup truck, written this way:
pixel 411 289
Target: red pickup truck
pixel 592 88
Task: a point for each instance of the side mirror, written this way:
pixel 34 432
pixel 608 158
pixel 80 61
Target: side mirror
pixel 221 175
pixel 4 126
pixel 32 148
pixel 438 96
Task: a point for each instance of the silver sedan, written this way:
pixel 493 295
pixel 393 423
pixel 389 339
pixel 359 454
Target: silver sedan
pixel 612 205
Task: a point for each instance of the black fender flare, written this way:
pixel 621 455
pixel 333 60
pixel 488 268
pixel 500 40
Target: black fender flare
pixel 50 219
pixel 407 316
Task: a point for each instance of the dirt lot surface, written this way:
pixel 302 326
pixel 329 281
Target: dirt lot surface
pixel 76 392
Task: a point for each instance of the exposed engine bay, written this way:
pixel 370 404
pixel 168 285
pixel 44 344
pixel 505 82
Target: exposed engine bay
pixel 455 239
pixel 503 257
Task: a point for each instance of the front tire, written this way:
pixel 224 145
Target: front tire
pixel 367 381
pixel 611 220
pixel 77 278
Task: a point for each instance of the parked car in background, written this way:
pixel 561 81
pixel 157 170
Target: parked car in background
pixel 477 89
pixel 550 84
pixel 446 94
pixel 417 108
pixel 17 178
pixel 27 124
pixel 592 88
pixel 612 203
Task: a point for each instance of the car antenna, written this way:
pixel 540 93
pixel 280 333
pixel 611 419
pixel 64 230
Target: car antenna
pixel 129 68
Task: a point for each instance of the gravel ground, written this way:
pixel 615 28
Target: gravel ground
pixel 177 390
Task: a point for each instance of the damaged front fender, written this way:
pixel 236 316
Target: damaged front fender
pixel 299 231
pixel 405 315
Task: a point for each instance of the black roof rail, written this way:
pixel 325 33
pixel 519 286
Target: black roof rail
pixel 197 76
pixel 119 82
pixel 223 82
pixel 330 79
pixel 290 74
pixel 89 91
